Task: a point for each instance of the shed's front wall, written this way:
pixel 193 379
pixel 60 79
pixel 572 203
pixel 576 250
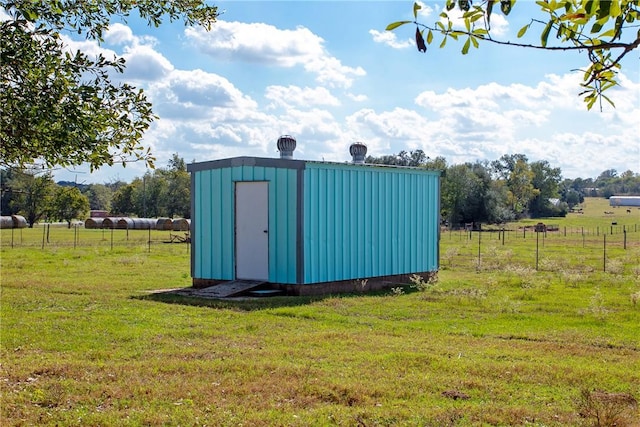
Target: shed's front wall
pixel 213 221
pixel 364 221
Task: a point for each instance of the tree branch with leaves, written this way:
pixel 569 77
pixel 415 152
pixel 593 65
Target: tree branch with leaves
pixel 63 108
pixel 606 31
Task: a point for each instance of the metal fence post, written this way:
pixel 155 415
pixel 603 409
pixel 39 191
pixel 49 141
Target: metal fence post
pixel 604 253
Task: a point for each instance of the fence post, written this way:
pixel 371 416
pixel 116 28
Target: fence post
pixel 149 239
pixel 624 238
pixel 44 233
pixel 604 253
pixel 537 248
pixel 479 234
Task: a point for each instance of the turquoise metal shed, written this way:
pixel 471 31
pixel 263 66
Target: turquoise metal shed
pixel 296 223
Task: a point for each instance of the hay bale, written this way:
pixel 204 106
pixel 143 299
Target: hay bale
pixel 93 223
pixel 144 223
pixel 181 224
pixel 6 222
pixel 164 224
pixel 124 224
pixel 110 222
pixel 19 221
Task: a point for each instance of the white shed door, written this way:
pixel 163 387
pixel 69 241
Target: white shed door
pixel 252 233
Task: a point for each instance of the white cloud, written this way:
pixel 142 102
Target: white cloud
pixel 120 34
pixel 268 45
pixel 390 39
pixel 145 63
pixel 196 94
pixel 296 96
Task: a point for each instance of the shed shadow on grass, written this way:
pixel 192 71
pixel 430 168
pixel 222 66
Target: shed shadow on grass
pixel 248 303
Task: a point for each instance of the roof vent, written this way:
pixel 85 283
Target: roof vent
pixel 286 145
pixel 358 152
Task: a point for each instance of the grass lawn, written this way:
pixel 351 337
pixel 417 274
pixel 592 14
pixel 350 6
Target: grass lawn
pixel 83 342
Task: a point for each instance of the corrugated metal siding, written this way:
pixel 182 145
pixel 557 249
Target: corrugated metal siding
pixel 214 205
pixel 365 222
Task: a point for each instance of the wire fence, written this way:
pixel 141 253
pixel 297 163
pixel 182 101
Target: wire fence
pixel 57 235
pixel 609 249
pixel 614 250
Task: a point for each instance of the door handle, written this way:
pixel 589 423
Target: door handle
pixel 265 231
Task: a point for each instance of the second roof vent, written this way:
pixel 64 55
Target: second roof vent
pixel 358 152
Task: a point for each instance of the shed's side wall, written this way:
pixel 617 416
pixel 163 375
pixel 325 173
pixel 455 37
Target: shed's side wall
pixel 213 221
pixel 364 222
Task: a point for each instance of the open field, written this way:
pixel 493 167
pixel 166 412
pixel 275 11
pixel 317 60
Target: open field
pixel 84 342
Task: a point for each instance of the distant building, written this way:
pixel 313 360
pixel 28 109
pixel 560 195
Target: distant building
pixel 624 201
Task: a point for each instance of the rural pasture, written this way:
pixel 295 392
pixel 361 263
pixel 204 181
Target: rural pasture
pixel 524 329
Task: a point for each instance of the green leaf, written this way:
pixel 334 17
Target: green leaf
pixel 608 100
pixel 596 28
pixel 545 34
pixel 443 43
pixel 429 37
pixel 474 40
pixel 489 10
pixel 465 48
pixel 523 30
pixel 603 10
pixel 544 5
pixel 416 8
pixel 615 10
pixel 395 25
pixel 610 33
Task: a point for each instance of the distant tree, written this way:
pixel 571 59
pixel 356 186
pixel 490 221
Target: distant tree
pixel 123 201
pixel 151 195
pixel 462 192
pixel 521 189
pixel 99 196
pixel 32 193
pixel 605 31
pixel 6 192
pixel 67 204
pixel 59 107
pixel 571 197
pixel 515 171
pixel 546 180
pixel 414 158
pixel 505 165
pixel 438 164
pixel 178 189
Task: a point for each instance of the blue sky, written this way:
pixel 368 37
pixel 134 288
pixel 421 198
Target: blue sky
pixel 327 73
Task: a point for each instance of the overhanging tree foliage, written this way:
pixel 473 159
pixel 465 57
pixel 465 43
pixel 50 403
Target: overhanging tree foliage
pixel 606 31
pixel 62 108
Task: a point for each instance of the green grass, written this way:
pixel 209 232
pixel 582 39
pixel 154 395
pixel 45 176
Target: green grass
pixel 84 342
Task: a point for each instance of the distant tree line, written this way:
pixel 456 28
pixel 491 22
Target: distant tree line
pixel 496 191
pixel 511 187
pixel 163 192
